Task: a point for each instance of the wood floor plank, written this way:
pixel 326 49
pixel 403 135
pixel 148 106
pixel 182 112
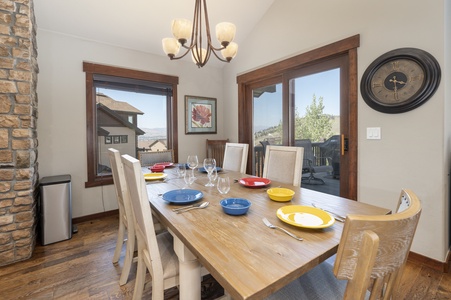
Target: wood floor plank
pixel 426 284
pixel 81 268
pixel 444 288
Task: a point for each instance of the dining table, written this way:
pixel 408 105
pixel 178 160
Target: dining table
pixel 247 258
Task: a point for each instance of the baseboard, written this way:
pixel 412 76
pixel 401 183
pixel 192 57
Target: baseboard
pixel 95 216
pixel 434 264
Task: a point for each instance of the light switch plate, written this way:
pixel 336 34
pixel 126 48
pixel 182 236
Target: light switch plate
pixel 373 133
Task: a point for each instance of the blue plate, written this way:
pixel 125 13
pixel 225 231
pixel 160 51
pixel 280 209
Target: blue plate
pixel 235 206
pixel 202 169
pixel 182 196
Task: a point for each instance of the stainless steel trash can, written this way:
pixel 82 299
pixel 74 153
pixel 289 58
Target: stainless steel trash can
pixel 55 209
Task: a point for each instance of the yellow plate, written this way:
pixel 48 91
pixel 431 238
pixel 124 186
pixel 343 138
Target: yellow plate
pixel 154 176
pixel 280 194
pixel 305 216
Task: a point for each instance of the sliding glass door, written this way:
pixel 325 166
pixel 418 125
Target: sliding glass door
pixel 308 101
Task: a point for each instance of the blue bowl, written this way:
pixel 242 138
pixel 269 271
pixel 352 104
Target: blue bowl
pixel 235 206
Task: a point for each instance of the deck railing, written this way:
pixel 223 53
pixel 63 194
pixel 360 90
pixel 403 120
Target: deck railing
pixel 259 157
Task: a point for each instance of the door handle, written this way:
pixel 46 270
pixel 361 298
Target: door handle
pixel 344 144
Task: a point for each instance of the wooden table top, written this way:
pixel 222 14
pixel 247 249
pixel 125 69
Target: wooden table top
pixel 247 258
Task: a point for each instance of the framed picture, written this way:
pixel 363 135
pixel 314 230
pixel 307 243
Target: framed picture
pixel 108 140
pixel 116 139
pixel 200 115
pixel 124 139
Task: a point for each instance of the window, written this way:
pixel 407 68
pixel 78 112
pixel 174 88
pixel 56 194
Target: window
pixel 119 102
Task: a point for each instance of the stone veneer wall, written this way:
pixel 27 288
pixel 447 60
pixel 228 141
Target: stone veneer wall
pixel 18 138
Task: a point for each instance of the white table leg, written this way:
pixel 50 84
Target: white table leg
pixel 190 278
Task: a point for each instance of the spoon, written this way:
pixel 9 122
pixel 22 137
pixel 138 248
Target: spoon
pixel 203 205
pixel 189 206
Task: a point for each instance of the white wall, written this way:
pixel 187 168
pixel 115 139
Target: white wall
pixel 413 152
pixel 62 108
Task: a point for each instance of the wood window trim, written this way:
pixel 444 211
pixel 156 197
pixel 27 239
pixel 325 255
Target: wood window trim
pixel 91 119
pixel 348 47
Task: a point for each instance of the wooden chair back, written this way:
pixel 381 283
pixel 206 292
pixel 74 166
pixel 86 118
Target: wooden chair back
pixel 284 164
pixel 216 150
pixel 373 250
pixel 126 223
pixel 235 157
pixel 149 251
pixel 149 158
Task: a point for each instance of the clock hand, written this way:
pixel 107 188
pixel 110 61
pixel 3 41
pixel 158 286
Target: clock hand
pixel 395 87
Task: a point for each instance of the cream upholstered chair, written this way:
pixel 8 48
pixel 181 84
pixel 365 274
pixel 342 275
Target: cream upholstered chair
pixel 216 150
pixel 152 157
pixel 155 251
pixel 235 157
pixel 370 260
pixel 126 224
pixel 283 164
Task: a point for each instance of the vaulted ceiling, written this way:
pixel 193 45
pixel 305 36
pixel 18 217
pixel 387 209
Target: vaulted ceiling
pixel 141 24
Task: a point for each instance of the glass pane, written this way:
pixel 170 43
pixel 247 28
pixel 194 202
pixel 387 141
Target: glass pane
pixel 128 122
pixel 267 121
pixel 317 129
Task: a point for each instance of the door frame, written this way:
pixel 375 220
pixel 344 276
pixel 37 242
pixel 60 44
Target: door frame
pixel 347 50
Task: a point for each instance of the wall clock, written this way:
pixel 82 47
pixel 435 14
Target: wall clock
pixel 400 80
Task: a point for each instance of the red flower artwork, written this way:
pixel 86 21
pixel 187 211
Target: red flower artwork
pixel 201 115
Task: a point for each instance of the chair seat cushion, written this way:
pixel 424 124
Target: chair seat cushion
pixel 317 284
pixel 168 257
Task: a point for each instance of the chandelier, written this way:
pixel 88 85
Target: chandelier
pixel 183 30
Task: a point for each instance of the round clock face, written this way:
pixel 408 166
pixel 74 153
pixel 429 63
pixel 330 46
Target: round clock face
pixel 400 80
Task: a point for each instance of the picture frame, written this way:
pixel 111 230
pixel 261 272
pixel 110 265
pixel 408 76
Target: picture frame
pixel 108 140
pixel 200 115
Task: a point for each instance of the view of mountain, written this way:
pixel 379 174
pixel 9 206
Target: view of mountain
pixel 153 133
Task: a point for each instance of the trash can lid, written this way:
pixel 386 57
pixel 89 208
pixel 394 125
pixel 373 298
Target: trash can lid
pixel 54 179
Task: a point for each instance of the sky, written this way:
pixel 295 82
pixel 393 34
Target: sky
pixel 268 107
pixel 153 106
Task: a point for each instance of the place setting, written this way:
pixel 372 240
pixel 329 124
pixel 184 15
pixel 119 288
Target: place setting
pixel 186 195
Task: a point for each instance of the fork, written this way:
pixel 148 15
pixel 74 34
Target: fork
pixel 267 223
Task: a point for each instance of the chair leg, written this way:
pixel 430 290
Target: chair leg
pixel 140 278
pixel 119 242
pixel 129 250
pixel 311 179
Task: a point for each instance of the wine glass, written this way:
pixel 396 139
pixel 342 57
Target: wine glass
pixel 214 175
pixel 181 170
pixel 193 162
pixel 209 166
pixel 189 178
pixel 223 185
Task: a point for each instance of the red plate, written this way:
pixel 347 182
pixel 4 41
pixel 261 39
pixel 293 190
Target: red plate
pixel 254 181
pixel 165 164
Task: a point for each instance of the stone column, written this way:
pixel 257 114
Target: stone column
pixel 18 138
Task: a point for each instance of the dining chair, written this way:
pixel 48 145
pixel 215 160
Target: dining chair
pixel 370 260
pixel 216 150
pixel 126 224
pixel 155 251
pixel 284 164
pixel 149 158
pixel 235 157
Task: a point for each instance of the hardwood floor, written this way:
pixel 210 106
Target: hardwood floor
pixel 81 268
